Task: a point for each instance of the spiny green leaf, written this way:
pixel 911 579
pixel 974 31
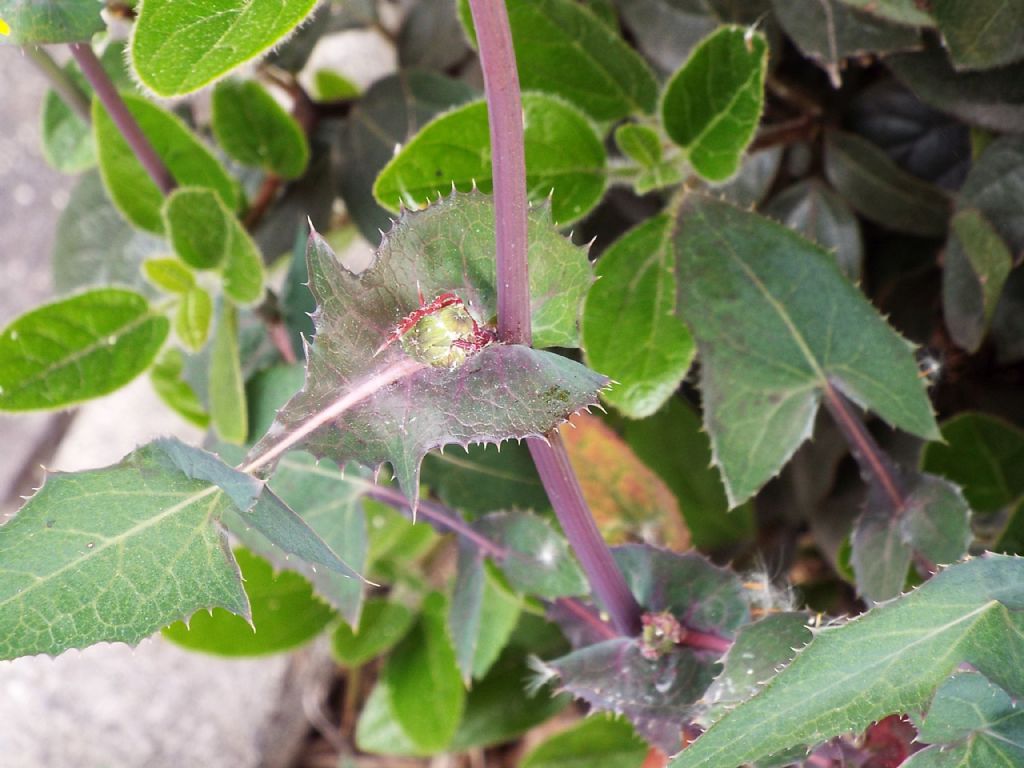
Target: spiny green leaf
pixel 889 660
pixel 630 330
pixel 76 349
pixel 776 325
pixel 255 130
pixel 66 580
pixel 178 47
pixel 564 158
pixel 503 390
pixel 132 190
pixel 38 22
pixel 285 614
pixel 712 104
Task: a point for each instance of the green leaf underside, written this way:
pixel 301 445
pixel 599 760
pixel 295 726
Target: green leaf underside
pixel 426 691
pixel 882 191
pixel 131 189
pixel 597 742
pixel 171 387
pixel 712 105
pixel 976 265
pixel 984 455
pixel 206 235
pixel 36 22
pixel 889 660
pixel 564 158
pixel 254 129
pixel 630 329
pixel 776 323
pixel 69 580
pixel 976 723
pixel 285 614
pixel 563 48
pixel 77 349
pixel 228 412
pixel 499 392
pixel 179 47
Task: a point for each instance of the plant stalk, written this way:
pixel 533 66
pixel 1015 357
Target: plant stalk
pixel 505 111
pixel 65 87
pixel 123 119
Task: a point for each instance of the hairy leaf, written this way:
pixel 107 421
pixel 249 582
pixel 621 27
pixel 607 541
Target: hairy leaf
pixel 132 190
pixel 630 330
pixel 563 48
pixel 66 580
pixel 285 614
pixel 564 158
pixel 255 130
pixel 228 411
pixel 169 274
pixel 498 392
pixel 38 22
pixel 889 660
pixel 712 105
pixel 178 47
pixel 776 325
pixel 76 349
pixel 640 143
pixel 192 320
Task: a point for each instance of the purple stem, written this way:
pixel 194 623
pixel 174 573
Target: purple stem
pixel 505 112
pixel 115 106
pixel 501 84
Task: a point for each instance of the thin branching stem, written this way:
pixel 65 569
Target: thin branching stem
pixel 61 82
pixel 505 111
pixel 123 119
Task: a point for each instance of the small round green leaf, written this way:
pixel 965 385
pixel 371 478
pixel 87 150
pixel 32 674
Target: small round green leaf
pixel 77 349
pixel 179 47
pixel 167 380
pixel 564 158
pixel 640 143
pixel 712 104
pixel 169 274
pixel 253 128
pixel 192 321
pixel 130 186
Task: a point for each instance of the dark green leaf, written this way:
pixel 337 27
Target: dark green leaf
pixel 830 31
pixel 890 660
pixel 132 190
pixel 429 251
pixel 285 614
pixel 564 159
pixel 976 265
pixel 753 180
pixel 170 385
pixel 984 455
pixel 34 22
pixel 907 12
pixel 431 37
pixel 484 479
pixel 331 504
pixel 991 99
pixel 388 115
pixel 712 105
pixel 880 190
pixel 819 214
pixel 597 742
pixel 178 48
pixel 667 31
pixel 228 412
pixel 66 580
pixel 673 444
pixel 776 325
pixel 77 349
pixel 95 245
pixel 539 560
pixel 981 35
pixel 630 330
pixel 423 680
pixel 382 624
pixel 563 48
pixel 995 185
pixel 255 130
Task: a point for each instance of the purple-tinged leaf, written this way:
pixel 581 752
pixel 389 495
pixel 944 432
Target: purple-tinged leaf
pixel 377 390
